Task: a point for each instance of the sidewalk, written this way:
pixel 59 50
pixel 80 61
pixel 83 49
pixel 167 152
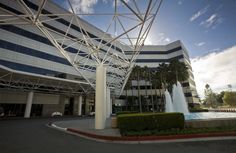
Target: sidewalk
pixel 85 128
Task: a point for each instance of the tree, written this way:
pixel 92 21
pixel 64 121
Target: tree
pixel 163 69
pixel 145 78
pixel 207 90
pixel 219 97
pixel 178 71
pixel 230 98
pixel 210 97
pixel 150 75
pixel 136 74
pixel 229 87
pixel 127 87
pixel 157 83
pixel 165 76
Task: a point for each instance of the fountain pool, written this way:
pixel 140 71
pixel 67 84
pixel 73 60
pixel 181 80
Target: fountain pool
pixel 210 119
pixel 209 115
pixel 196 120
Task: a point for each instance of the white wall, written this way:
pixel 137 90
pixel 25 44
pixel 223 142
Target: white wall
pixel 12 97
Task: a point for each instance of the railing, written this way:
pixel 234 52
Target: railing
pixel 222 110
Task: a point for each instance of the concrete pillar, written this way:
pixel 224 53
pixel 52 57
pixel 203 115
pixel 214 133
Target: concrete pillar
pixel 80 106
pixel 108 103
pixel 29 104
pixel 100 97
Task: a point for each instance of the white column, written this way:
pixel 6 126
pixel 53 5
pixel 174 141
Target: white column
pixel 80 105
pixel 108 103
pixel 100 97
pixel 29 104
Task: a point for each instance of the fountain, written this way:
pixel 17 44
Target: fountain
pixel 196 120
pixel 169 105
pixel 179 102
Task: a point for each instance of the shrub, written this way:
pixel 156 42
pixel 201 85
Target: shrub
pixel 198 110
pixel 126 112
pixel 230 98
pixel 180 131
pixel 157 121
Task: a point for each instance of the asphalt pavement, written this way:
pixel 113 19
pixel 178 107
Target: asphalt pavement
pixel 33 136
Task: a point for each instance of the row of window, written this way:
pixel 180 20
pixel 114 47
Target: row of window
pixel 188 94
pixel 143 87
pixel 62 21
pixel 156 52
pixel 159 60
pixel 32 52
pixel 27 68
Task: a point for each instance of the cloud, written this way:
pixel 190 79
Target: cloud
pixel 199 13
pixel 212 21
pixel 218 69
pixel 215 50
pixel 180 2
pixel 167 40
pixel 119 3
pixel 162 38
pixel 148 41
pixel 200 44
pixel 83 6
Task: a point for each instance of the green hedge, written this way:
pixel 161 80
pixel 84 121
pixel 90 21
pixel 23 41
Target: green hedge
pixel 126 112
pixel 157 121
pixel 199 110
pixel 180 131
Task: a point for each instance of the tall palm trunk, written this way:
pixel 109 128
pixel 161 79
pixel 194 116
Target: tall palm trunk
pixel 146 95
pixel 156 97
pixel 161 96
pixel 139 98
pixel 126 99
pixel 149 76
pixel 152 99
pixel 132 90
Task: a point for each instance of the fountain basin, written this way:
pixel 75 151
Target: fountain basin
pixel 210 119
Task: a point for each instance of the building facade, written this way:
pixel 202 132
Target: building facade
pixel 36 77
pixel 153 55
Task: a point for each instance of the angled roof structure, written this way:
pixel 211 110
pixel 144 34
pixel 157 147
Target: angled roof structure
pixel 129 25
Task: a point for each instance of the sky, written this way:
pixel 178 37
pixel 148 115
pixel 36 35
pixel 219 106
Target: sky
pixel 207 29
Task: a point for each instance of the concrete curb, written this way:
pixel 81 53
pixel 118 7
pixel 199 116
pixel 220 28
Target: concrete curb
pixel 148 139
pixel 57 127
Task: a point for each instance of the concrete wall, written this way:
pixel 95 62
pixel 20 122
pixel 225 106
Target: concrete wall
pixel 10 97
pixel 49 108
pixel 226 122
pixel 13 97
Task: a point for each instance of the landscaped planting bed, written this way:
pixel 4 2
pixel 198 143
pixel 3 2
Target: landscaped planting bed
pixel 141 123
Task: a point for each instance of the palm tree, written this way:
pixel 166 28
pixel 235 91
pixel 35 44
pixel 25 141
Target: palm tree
pixel 136 74
pixel 151 75
pixel 157 83
pixel 163 69
pixel 162 74
pixel 145 76
pixel 127 87
pixel 178 71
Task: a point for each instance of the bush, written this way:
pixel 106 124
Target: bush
pixel 230 98
pixel 126 112
pixel 179 131
pixel 157 121
pixel 198 110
